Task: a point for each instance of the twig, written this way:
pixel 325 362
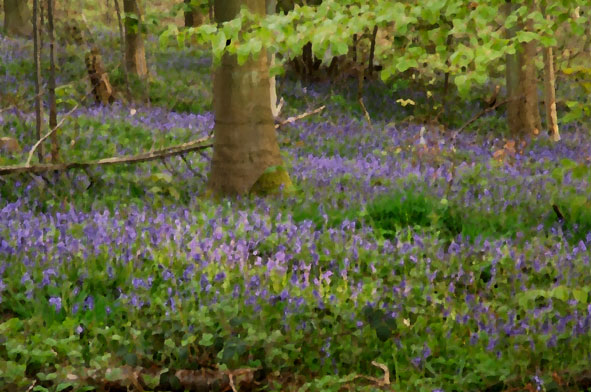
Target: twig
pixel 482 113
pixel 91 180
pixel 380 382
pixel 194 145
pixel 558 213
pixel 41 182
pixel 48 134
pixel 386 379
pixel 32 386
pixel 280 105
pixel 170 169
pixel 231 377
pixel 195 173
pixel 365 112
pixel 299 117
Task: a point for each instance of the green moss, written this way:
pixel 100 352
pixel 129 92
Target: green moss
pixel 271 181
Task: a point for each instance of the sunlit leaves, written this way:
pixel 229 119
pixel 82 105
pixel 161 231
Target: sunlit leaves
pixel 477 33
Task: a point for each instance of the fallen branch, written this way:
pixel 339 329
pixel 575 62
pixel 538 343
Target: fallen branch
pixel 380 382
pixel 293 119
pixel 194 145
pixel 181 149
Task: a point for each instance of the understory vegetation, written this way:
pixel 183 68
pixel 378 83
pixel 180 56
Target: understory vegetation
pixel 449 262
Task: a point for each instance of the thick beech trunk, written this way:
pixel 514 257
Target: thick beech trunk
pixel 246 153
pixel 134 42
pixel 17 18
pixel 193 17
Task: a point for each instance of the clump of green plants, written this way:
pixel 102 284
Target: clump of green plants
pixel 413 207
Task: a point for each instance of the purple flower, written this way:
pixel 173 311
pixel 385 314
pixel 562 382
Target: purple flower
pixel 89 303
pixel 56 302
pixel 220 277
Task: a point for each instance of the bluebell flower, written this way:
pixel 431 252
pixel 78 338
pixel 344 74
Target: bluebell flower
pixel 56 302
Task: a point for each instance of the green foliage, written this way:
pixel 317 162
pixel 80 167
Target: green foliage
pixel 418 34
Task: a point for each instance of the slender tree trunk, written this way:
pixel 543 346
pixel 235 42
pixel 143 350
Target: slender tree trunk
pixel 271 5
pixel 122 49
pixel 17 18
pixel 38 92
pixel 134 42
pixel 193 17
pixel 533 121
pixel 51 83
pixel 550 89
pixel 108 13
pixel 246 155
pixel 523 113
pixel 550 95
pixel 372 50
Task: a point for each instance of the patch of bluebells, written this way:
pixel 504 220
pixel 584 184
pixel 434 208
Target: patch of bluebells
pixel 503 300
pixel 267 263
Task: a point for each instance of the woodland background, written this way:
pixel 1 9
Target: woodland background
pixel 321 196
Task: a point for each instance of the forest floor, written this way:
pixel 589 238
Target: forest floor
pixel 457 262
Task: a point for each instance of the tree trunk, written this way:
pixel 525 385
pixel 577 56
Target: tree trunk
pixel 122 49
pixel 38 81
pixel 275 107
pixel 17 18
pixel 246 154
pixel 550 89
pixel 134 42
pixel 51 83
pixel 533 121
pixel 523 113
pixel 193 18
pixel 99 79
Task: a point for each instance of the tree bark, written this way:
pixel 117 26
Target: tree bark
pixel 194 17
pixel 134 42
pixel 51 82
pixel 17 18
pixel 533 121
pixel 550 95
pixel 37 60
pixel 550 89
pixel 523 113
pixel 99 79
pixel 122 49
pixel 246 155
pixel 271 5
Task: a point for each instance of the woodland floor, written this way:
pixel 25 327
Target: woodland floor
pixel 457 264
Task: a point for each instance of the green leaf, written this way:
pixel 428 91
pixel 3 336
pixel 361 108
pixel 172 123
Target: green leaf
pixel 406 63
pixel 206 340
pixel 560 292
pixel 580 295
pixel 64 385
pixel 526 36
